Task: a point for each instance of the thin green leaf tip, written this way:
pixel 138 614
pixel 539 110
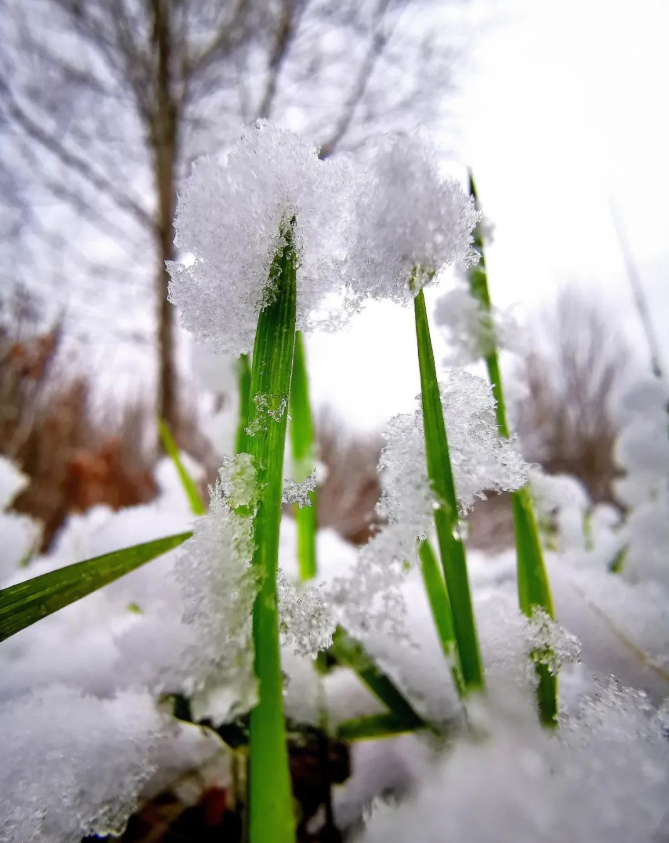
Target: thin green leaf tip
pixel 28 602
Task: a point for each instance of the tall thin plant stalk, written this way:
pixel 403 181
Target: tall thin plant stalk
pixel 446 521
pixel 533 585
pixel 302 440
pixel 270 796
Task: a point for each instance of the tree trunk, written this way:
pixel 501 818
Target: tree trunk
pixel 164 143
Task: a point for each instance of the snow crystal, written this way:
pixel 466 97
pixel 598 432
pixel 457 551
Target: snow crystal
pixel 298 493
pixel 237 482
pixel 229 219
pixel 267 408
pixel 602 776
pixel 74 765
pixel 214 570
pixel 410 222
pixel 481 460
pixel 550 643
pixel 306 622
pixel 471 331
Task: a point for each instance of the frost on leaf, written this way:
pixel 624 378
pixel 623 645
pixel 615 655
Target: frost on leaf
pixel 550 643
pixel 268 408
pixel 306 622
pixel 298 493
pixel 237 482
pixel 471 331
pixel 229 218
pixel 219 586
pixel 481 460
pixel 410 221
pixel 74 765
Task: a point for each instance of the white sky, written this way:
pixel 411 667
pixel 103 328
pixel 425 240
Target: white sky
pixel 565 107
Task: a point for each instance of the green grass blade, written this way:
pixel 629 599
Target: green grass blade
pixel 194 498
pixel 351 654
pixel 533 585
pixel 441 609
pixel 372 727
pixel 451 548
pixel 25 603
pixel 270 797
pixel 244 389
pixel 302 440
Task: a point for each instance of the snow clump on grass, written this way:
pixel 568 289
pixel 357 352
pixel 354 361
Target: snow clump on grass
pixel 229 219
pixel 74 765
pixel 482 461
pixel 219 586
pixel 410 222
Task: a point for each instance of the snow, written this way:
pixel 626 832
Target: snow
pixel 410 222
pixel 74 765
pixel 602 776
pixel 228 226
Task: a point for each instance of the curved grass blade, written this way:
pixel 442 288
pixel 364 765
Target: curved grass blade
pixel 451 547
pixel 533 585
pixel 27 602
pixel 372 727
pixel 302 440
pixel 190 488
pixel 351 654
pixel 270 796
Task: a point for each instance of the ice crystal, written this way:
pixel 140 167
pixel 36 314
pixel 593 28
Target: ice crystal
pixel 229 219
pixel 74 765
pixel 298 493
pixel 410 222
pixel 268 408
pixel 219 586
pixel 306 621
pixel 471 331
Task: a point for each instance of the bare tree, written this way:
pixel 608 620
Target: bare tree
pixel 104 105
pixel 575 359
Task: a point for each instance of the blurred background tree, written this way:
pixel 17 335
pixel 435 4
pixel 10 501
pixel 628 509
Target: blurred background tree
pixel 104 106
